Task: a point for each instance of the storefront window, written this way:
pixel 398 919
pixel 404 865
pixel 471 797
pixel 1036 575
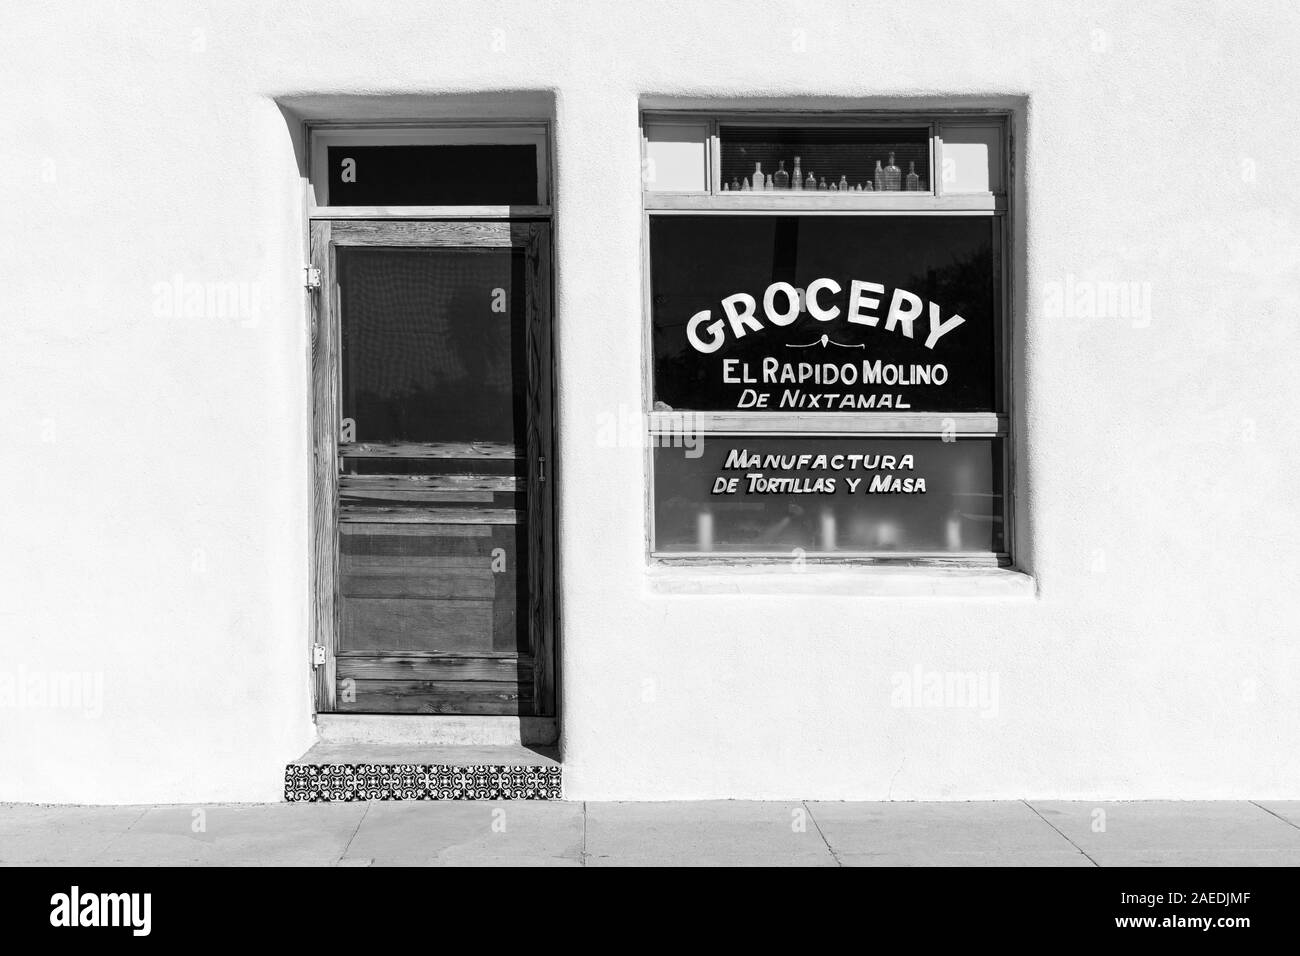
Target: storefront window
pixel 827 366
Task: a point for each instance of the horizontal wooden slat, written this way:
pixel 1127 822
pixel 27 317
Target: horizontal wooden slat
pixel 412 494
pixel 441 668
pixel 484 234
pixel 360 525
pixel 402 564
pixel 453 449
pixel 431 212
pixel 434 697
pixel 857 424
pixel 421 516
pixel 376 485
pixel 435 655
pixel 369 702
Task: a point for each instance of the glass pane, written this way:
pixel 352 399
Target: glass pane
pixel 433 344
pixel 826 158
pixel 677 156
pixel 424 589
pixel 771 496
pixel 473 175
pixel 920 336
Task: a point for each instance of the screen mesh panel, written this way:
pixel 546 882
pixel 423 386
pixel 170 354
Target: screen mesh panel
pixel 433 344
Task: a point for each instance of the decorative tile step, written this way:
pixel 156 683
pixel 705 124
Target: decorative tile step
pixel 342 773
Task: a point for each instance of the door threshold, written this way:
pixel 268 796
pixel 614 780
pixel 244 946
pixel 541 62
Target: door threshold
pixel 451 756
pixel 436 730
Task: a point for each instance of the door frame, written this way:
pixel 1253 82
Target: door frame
pixel 533 237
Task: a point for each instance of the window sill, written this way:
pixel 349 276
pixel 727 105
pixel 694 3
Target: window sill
pixel 869 582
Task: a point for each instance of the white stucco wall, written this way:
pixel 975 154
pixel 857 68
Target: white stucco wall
pixel 154 503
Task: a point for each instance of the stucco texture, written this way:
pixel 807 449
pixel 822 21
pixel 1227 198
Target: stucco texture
pixel 155 505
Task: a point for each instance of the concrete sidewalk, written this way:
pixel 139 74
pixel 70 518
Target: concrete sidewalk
pixel 525 833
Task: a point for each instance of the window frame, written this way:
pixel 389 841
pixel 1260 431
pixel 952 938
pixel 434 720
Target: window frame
pixel 995 204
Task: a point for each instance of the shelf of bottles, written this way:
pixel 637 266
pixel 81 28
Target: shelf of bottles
pixel 788 159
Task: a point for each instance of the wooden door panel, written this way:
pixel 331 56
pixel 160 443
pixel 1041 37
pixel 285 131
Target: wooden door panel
pixel 441 514
pixel 400 625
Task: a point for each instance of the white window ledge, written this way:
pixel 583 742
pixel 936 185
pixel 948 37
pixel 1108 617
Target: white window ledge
pixel 869 582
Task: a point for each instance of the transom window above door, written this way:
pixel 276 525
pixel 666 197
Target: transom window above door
pixel 446 171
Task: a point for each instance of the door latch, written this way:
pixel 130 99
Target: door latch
pixel 317 655
pixel 541 468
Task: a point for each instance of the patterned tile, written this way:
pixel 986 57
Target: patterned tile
pixel 346 782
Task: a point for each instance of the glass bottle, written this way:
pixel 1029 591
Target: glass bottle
pixel 735 184
pixel 745 185
pixel 758 175
pixel 893 175
pixel 879 177
pixel 913 180
pixel 780 178
pixel 844 183
pixel 796 181
pixel 810 182
pixel 868 186
pixel 821 184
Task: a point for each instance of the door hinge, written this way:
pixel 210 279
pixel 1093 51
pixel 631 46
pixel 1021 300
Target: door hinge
pixel 311 277
pixel 541 468
pixel 317 655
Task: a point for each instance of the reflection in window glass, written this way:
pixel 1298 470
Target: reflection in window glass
pixel 820 495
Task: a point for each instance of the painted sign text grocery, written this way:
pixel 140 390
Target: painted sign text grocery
pixel 783 305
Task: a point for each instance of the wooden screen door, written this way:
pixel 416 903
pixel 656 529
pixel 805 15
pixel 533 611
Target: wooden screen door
pixel 432 386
